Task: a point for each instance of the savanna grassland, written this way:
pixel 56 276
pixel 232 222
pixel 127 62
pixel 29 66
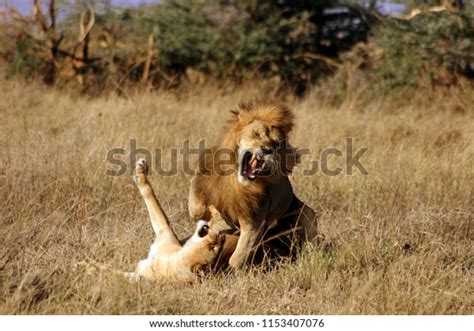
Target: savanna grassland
pixel 398 241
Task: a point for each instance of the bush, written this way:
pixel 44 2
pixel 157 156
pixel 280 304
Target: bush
pixel 286 40
pixel 290 42
pixel 431 49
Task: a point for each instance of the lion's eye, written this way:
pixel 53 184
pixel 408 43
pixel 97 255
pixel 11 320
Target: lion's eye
pixel 256 134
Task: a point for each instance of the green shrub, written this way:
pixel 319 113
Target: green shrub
pixel 286 41
pixel 26 57
pixel 430 49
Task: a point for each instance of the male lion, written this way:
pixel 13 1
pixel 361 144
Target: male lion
pixel 252 191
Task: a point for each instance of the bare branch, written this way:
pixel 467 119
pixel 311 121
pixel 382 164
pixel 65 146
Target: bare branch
pixel 417 11
pixel 323 58
pixel 52 13
pixel 146 70
pixel 38 15
pixel 17 17
pixel 84 31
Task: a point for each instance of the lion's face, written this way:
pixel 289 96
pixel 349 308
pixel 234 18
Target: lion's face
pixel 258 136
pixel 258 151
pixel 206 243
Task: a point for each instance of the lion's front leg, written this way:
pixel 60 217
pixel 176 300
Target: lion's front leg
pixel 250 235
pixel 198 209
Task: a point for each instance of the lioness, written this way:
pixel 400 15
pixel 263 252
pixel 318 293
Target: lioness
pixel 168 259
pixel 257 194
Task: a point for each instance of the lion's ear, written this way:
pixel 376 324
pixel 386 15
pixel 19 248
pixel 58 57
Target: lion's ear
pixel 242 109
pixel 235 114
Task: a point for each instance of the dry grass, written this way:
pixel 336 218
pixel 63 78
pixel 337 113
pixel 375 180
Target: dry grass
pixel 399 241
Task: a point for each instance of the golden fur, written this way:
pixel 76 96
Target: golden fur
pixel 168 259
pixel 252 192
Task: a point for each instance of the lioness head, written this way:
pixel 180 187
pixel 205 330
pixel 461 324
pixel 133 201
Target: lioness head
pixel 259 136
pixel 206 243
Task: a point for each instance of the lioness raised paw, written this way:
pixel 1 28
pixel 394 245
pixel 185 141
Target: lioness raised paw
pixel 141 170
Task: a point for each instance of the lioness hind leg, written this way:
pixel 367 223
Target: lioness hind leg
pixel 159 220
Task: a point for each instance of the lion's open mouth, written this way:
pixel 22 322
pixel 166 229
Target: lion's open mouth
pixel 251 165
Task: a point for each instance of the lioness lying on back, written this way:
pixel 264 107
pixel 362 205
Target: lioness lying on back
pixel 168 259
